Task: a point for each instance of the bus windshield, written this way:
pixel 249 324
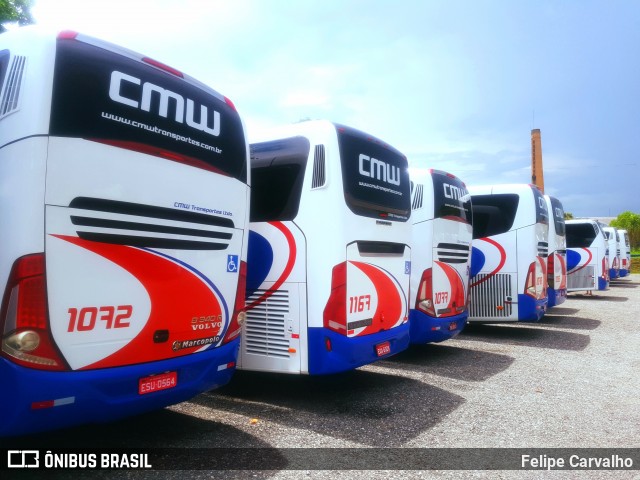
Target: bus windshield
pixel 133 105
pixel 375 176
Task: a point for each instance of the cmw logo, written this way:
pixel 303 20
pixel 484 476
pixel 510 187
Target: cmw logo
pixel 454 193
pixel 143 101
pixel 379 170
pixel 559 213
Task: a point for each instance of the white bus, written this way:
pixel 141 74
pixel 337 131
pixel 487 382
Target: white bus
pixel 587 259
pixel 557 259
pixel 329 258
pixel 625 253
pixel 124 202
pixel 613 247
pixel 509 255
pixel 441 252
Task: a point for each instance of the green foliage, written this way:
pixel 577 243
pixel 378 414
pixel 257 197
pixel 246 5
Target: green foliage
pixel 15 11
pixel 568 216
pixel 630 222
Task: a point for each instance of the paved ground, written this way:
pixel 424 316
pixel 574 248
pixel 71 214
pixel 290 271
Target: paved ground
pixel 571 381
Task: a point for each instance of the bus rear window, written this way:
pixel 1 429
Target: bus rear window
pixel 450 198
pixel 107 97
pixel 542 212
pixel 580 235
pixel 375 176
pixel 493 214
pixel 558 216
pixel 277 176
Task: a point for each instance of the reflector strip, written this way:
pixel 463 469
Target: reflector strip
pixel 226 366
pixel 53 403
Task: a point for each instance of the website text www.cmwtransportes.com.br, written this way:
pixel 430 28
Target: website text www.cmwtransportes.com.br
pixel 160 131
pixel 378 187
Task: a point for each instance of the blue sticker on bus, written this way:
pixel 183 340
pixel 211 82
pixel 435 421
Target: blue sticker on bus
pixel 232 263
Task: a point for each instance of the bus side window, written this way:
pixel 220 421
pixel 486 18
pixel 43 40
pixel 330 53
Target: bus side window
pixel 275 192
pixel 493 214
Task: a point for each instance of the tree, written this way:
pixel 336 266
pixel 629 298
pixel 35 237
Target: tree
pixel 15 11
pixel 630 222
pixel 568 216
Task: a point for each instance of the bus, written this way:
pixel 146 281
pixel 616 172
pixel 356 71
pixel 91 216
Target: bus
pixel 587 257
pixel 625 253
pixel 509 253
pixel 613 246
pixel 329 259
pixel 124 193
pixel 441 251
pixel 557 259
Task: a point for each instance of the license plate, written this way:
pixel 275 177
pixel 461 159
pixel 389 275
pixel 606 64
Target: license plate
pixel 453 326
pixel 155 383
pixel 383 348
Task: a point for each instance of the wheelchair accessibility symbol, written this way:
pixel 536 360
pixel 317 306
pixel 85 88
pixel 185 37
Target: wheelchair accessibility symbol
pixel 232 263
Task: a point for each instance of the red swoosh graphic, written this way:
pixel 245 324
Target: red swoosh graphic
pixel 586 263
pixel 563 272
pixel 389 310
pixel 291 247
pixel 177 295
pixel 503 259
pixel 457 288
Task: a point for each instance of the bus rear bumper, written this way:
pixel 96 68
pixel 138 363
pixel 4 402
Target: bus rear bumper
pixel 426 329
pixel 36 400
pixel 531 309
pixel 556 297
pixel 603 284
pixel 624 272
pixel 331 352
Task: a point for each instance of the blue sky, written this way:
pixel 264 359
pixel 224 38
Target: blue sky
pixel 455 85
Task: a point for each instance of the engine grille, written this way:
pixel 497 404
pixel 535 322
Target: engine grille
pixel 488 298
pixel 265 332
pixel 583 279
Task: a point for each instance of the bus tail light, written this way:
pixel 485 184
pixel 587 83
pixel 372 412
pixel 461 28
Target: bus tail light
pixel 551 270
pixel 605 269
pixel 335 312
pixel 230 103
pixel 239 316
pixel 424 299
pixel 24 316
